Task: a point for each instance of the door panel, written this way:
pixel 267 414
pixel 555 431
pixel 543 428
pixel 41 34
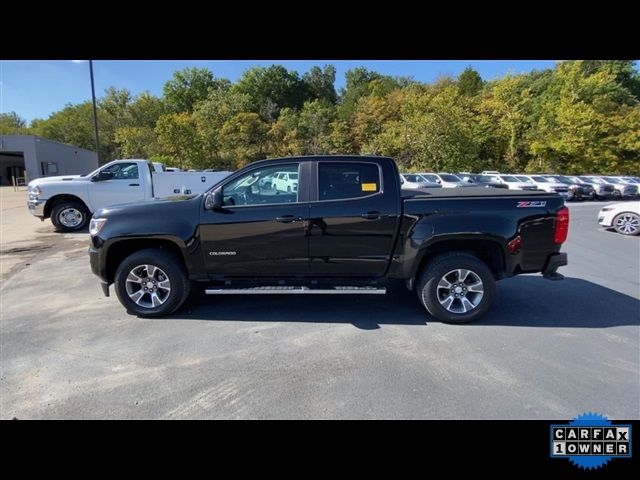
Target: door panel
pixel 352 236
pixel 261 229
pixel 124 186
pixel 256 240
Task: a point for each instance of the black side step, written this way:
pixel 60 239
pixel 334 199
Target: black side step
pixel 285 290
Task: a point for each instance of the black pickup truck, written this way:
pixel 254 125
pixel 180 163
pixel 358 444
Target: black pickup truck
pixel 327 225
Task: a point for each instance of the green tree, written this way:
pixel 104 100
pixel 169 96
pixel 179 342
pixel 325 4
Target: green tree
pixel 361 82
pixel 190 86
pixel 470 82
pixel 319 83
pixel 137 142
pixel 145 110
pixel 12 124
pixel 271 89
pixel 244 138
pixel 506 106
pixel 588 124
pixel 73 125
pixel 178 138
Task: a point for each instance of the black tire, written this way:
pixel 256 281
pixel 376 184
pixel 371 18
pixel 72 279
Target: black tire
pixel 168 265
pixel 617 195
pixel 59 210
pixel 428 291
pixel 627 223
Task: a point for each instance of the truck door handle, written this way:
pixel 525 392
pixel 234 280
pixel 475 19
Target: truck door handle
pixel 371 215
pixel 134 184
pixel 288 219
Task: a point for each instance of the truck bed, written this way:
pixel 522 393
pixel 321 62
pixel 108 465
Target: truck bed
pixel 468 192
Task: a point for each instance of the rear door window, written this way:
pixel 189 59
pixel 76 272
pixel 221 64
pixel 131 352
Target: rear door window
pixel 343 180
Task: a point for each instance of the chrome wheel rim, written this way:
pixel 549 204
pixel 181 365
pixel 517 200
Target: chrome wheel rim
pixel 148 286
pixel 460 291
pixel 628 224
pixel 70 217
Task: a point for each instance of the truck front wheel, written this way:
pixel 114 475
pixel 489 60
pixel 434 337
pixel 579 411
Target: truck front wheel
pixel 151 283
pixel 456 287
pixel 69 216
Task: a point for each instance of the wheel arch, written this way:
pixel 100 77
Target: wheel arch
pixel 120 249
pixel 60 198
pixel 487 249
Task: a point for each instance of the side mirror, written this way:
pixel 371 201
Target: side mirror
pixel 439 181
pixel 213 200
pixel 102 176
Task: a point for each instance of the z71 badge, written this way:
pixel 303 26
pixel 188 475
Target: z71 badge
pixel 531 204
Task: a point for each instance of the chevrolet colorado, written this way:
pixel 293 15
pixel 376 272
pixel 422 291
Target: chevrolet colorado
pixel 346 228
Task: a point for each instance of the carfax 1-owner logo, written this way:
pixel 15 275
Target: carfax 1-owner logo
pixel 590 440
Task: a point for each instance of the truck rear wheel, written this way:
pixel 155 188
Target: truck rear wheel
pixel 69 216
pixel 152 283
pixel 456 287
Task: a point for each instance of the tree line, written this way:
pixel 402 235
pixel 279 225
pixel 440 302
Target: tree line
pixel 579 117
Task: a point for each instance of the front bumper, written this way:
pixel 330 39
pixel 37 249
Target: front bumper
pixel 36 206
pixel 554 262
pixel 98 269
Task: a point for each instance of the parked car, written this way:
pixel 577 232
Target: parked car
pixel 413 181
pixel 620 189
pixel 487 181
pixel 285 182
pixel 69 200
pixel 623 217
pixel 489 172
pixel 577 190
pixel 542 183
pixel 603 191
pixel 340 233
pixel 624 181
pixel 513 183
pixel 447 180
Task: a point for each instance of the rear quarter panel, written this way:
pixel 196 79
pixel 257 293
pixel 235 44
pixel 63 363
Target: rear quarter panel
pixel 429 221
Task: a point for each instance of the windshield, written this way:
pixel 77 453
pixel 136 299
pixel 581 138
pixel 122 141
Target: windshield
pixel 414 178
pixel 522 178
pixel 557 180
pixel 487 178
pixel 565 179
pixel 589 180
pixel 430 178
pixel 509 178
pixel 614 180
pixel 450 178
pixel 540 179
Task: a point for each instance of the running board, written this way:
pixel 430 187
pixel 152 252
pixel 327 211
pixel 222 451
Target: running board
pixel 295 290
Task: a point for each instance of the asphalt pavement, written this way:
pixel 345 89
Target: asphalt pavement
pixel 546 350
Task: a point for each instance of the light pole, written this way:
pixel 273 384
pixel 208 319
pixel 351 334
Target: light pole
pixel 95 110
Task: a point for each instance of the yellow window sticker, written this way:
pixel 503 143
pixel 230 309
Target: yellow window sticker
pixel 369 187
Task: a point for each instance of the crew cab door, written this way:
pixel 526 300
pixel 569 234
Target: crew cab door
pixel 260 230
pixel 117 183
pixel 354 217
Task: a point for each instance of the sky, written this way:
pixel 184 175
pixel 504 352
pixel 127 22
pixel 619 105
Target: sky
pixel 35 89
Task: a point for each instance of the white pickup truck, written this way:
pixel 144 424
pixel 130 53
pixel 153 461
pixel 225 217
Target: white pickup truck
pixel 71 200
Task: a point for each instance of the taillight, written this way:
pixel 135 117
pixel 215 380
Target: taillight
pixel 562 225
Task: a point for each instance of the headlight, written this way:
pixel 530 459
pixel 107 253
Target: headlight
pixel 35 191
pixel 96 225
pixel 606 209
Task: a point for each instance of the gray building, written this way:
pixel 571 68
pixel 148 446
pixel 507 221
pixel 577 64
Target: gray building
pixel 40 157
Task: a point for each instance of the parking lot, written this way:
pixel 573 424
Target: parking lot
pixel 547 350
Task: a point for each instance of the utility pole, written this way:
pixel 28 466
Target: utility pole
pixel 95 110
